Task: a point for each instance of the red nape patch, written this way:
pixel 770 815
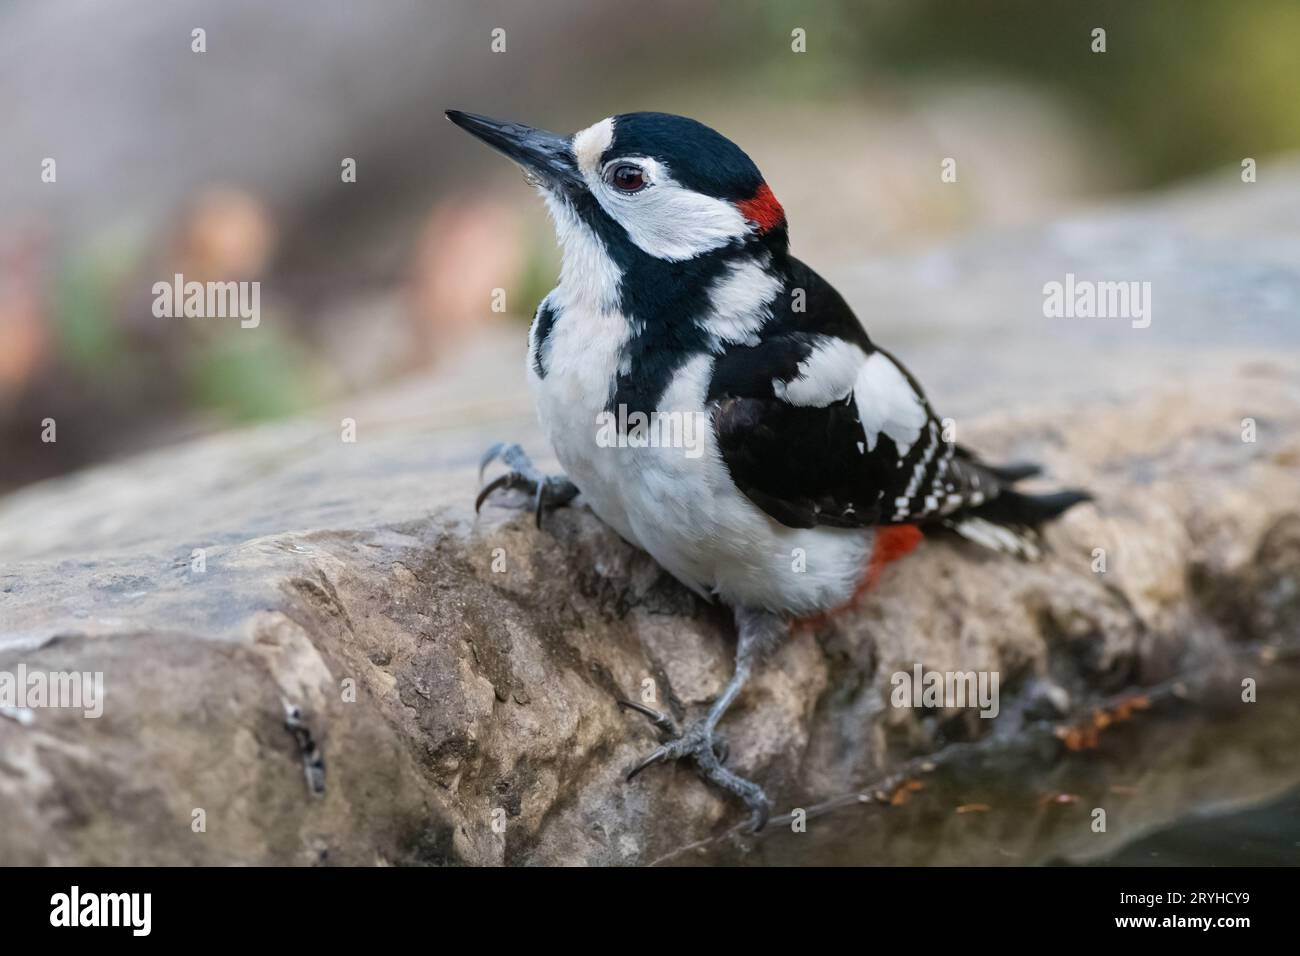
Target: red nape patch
pixel 763 209
pixel 892 542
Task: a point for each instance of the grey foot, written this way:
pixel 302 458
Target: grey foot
pixel 548 491
pixel 664 724
pixel 700 743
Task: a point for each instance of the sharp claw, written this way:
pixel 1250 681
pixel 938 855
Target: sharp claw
pixel 498 482
pixel 659 756
pixel 662 721
pixel 708 752
pixel 639 708
pixel 488 457
pixel 548 492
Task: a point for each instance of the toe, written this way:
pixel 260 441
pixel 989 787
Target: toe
pixel 659 756
pixel 538 497
pixel 490 456
pixel 661 721
pixel 515 456
pixel 499 482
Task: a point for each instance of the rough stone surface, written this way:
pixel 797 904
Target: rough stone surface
pixel 449 698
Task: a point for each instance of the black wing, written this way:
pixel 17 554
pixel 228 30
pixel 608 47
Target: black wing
pixel 817 426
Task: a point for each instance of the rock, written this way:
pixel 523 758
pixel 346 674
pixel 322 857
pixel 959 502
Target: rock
pixel 316 644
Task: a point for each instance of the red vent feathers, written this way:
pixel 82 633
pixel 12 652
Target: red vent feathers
pixel 763 210
pixel 891 543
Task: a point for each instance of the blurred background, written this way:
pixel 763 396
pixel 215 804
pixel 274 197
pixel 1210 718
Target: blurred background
pixel 226 165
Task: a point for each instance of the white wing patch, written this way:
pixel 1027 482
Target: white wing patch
pixel 827 375
pixel 740 302
pixel 887 403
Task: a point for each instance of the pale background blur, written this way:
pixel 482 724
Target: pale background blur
pixel 226 165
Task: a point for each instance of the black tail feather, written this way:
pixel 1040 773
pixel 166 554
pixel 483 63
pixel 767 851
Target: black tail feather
pixel 1016 508
pixel 1013 473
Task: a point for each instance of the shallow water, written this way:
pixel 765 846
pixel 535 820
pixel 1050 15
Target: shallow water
pixel 1195 777
pixel 1267 835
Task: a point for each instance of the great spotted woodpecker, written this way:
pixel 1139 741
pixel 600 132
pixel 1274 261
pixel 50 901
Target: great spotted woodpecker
pixel 819 454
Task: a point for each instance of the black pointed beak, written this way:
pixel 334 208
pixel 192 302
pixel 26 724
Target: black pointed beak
pixel 546 156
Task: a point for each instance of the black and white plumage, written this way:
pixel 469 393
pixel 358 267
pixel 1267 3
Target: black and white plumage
pixel 678 296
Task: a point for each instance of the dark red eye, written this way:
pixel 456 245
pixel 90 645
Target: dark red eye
pixel 627 177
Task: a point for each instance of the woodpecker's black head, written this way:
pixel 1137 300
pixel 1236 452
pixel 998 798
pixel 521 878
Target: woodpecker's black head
pixel 665 185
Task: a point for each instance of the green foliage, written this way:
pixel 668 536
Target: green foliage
pixel 538 274
pixel 85 301
pixel 252 374
pixel 1184 86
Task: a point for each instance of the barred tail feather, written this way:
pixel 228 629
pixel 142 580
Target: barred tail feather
pixel 1010 521
pixel 1009 539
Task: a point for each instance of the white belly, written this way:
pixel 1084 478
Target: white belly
pixel 677 503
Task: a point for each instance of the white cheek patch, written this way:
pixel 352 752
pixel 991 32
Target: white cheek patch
pixel 669 221
pixel 888 403
pixel 665 219
pixel 827 375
